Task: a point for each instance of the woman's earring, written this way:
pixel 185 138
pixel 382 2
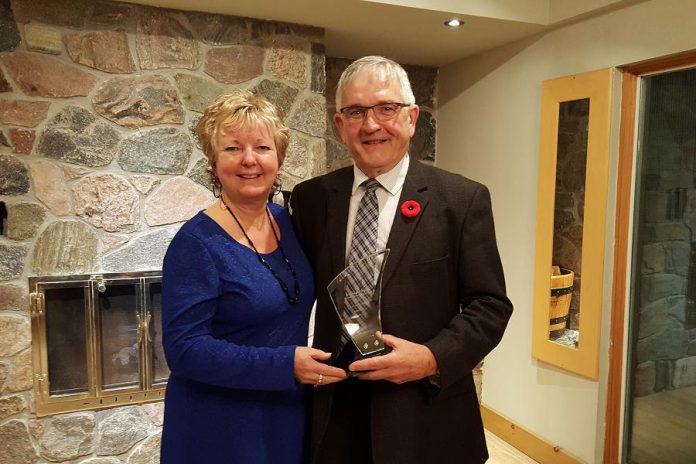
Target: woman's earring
pixel 276 195
pixel 217 186
pixel 277 186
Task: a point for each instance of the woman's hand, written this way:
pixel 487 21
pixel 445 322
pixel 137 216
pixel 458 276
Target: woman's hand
pixel 310 370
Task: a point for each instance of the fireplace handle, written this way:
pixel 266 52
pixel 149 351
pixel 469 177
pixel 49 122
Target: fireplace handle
pixel 36 304
pixel 147 327
pixel 144 327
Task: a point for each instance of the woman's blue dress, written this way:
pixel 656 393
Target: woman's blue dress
pixel 229 336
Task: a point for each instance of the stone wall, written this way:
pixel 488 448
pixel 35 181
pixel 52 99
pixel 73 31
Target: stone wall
pixel 665 302
pixel 99 167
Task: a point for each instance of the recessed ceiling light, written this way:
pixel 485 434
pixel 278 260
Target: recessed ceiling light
pixel 454 22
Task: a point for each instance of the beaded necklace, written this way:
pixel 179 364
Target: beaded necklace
pixel 262 260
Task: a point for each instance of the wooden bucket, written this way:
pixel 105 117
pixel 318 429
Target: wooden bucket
pixel 561 294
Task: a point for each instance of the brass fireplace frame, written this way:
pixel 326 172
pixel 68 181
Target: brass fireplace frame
pixel 97 396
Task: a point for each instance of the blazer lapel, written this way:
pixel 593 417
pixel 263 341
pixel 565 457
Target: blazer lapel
pixel 337 217
pixel 415 188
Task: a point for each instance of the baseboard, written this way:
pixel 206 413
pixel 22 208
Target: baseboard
pixel 527 442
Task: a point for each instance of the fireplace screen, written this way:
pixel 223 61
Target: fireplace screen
pixel 97 341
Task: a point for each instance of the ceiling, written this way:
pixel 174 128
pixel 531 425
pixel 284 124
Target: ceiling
pixel 410 31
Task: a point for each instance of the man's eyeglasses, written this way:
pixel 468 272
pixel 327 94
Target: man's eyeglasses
pixel 382 111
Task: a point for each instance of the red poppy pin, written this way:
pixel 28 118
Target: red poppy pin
pixel 410 208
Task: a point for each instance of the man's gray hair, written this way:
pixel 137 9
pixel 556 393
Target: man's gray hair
pixel 383 69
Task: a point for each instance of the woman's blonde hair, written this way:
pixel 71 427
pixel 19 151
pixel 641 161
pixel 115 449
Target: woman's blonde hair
pixel 240 110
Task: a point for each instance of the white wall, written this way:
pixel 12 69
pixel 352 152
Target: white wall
pixel 488 117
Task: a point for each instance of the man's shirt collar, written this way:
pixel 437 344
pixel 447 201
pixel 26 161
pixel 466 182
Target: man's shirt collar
pixel 391 181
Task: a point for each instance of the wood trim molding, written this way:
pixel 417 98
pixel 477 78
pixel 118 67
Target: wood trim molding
pixel 527 442
pixel 612 432
pixel 664 63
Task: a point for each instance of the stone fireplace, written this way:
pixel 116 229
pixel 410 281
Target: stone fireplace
pixel 99 167
pixel 97 341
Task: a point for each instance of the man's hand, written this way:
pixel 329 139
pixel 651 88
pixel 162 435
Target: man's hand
pixel 408 361
pixel 309 368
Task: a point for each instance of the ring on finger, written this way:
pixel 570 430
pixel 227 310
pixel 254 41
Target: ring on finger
pixel 320 380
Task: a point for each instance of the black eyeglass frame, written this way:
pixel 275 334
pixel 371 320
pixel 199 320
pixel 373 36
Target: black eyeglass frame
pixel 344 110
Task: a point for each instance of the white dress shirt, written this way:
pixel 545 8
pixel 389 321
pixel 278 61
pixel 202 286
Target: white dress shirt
pixel 388 193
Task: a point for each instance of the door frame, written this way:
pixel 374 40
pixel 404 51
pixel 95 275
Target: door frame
pixel 630 76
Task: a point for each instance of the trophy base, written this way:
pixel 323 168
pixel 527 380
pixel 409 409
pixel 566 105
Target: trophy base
pixel 358 356
pixel 369 342
pixel 381 352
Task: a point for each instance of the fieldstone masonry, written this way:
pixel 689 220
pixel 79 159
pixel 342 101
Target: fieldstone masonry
pixel 106 201
pixel 197 92
pixel 309 116
pixel 66 437
pixel 22 140
pixel 4 372
pixel 139 101
pixel 14 179
pixel 9 34
pixel 11 405
pixel 120 429
pixel 163 41
pixel 12 259
pixel 235 64
pixel 218 29
pixel 42 38
pixel 281 95
pixel 109 13
pixel 20 378
pixel 15 330
pixel 17 445
pixel 13 298
pixel 156 151
pixel 144 184
pixel 199 173
pixel 107 51
pixel 75 135
pixel 289 61
pixel 4 85
pixel 23 113
pixel 24 220
pixel 41 76
pixel 142 252
pixel 64 248
pixel 49 182
pixel 67 13
pixel 99 167
pixel 158 209
pixel 148 451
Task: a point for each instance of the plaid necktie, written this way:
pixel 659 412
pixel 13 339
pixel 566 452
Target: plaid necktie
pixel 363 244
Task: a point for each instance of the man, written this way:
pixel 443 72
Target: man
pixel 443 291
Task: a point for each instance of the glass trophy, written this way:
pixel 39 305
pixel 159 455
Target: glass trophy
pixel 355 293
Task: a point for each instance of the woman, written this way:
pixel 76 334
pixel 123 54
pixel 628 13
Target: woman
pixel 237 293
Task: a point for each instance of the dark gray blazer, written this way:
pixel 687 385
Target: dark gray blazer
pixel 443 286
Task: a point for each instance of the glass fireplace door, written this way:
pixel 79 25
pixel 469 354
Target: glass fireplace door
pixel 66 348
pixel 118 312
pixel 97 341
